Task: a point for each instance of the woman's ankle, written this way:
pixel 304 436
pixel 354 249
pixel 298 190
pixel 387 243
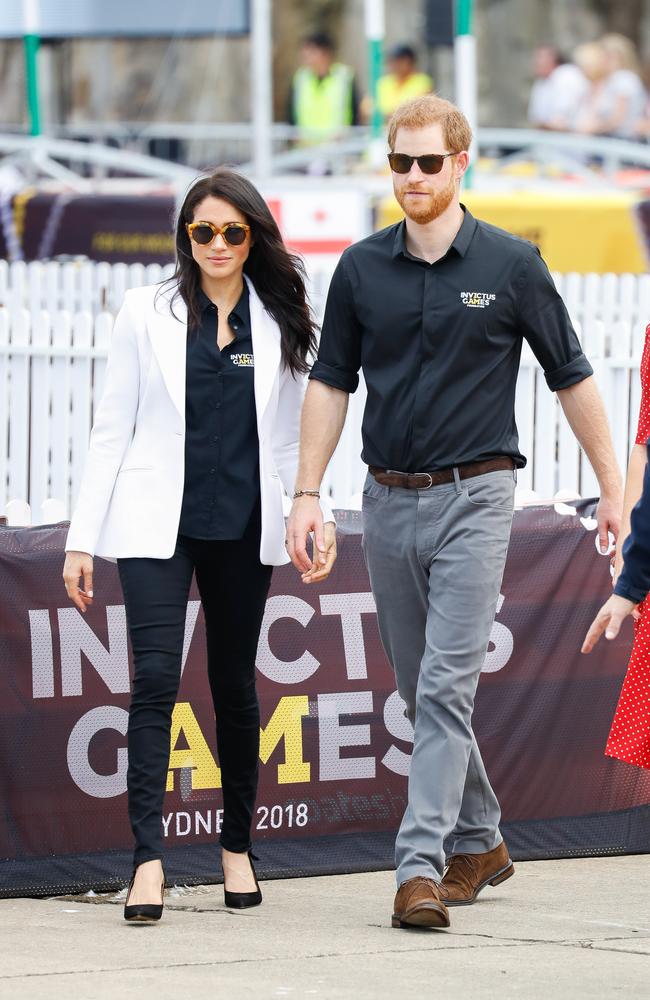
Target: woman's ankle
pixel 235 854
pixel 149 868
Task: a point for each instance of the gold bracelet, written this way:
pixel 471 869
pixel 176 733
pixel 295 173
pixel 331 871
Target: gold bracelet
pixel 306 493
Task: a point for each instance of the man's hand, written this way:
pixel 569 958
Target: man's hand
pixel 320 572
pixel 609 620
pixel 608 516
pixel 306 517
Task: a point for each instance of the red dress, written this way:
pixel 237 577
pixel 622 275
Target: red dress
pixel 629 737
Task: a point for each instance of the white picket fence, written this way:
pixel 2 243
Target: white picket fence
pixel 55 329
pixel 72 287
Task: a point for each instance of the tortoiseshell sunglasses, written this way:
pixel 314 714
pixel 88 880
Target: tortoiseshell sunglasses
pixel 234 233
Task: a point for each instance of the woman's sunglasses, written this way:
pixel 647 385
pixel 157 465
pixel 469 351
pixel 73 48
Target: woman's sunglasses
pixel 430 163
pixel 234 233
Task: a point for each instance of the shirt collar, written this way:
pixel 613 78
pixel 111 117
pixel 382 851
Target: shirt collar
pixel 204 301
pixel 461 242
pixel 241 310
pixel 465 233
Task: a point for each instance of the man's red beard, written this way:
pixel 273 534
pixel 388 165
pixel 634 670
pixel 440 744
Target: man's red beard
pixel 426 208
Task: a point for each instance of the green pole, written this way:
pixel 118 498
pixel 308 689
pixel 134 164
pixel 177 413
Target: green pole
pixel 375 31
pixel 31 43
pixel 465 70
pixel 464 17
pixel 375 64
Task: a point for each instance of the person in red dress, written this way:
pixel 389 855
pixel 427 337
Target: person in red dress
pixel 629 737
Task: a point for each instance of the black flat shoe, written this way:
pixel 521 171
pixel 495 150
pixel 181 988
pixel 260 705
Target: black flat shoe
pixel 242 900
pixel 144 913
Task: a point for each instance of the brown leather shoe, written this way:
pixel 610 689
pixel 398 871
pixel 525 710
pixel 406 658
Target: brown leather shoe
pixel 468 874
pixel 418 904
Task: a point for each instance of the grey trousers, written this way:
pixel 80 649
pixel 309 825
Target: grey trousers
pixel 435 560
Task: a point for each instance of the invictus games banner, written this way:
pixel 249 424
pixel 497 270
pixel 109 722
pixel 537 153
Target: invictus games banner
pixel 138 227
pixel 109 227
pixel 335 746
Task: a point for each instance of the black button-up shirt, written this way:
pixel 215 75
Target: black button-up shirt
pixel 222 483
pixel 440 343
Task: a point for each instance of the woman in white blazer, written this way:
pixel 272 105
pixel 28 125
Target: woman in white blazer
pixel 194 440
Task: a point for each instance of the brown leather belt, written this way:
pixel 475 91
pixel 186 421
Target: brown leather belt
pixel 425 480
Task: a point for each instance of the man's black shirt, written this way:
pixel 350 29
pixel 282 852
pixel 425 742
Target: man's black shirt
pixel 440 343
pixel 222 483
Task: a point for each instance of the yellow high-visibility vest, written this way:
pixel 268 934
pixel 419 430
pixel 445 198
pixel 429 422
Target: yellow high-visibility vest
pixel 391 92
pixel 323 106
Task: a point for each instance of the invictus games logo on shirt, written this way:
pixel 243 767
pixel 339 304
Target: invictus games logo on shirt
pixel 243 360
pixel 477 300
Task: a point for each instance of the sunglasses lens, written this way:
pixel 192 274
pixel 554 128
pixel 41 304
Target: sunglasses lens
pixel 400 163
pixel 431 164
pixel 235 235
pixel 202 235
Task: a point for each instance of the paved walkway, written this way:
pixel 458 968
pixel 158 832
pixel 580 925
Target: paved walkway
pixel 558 929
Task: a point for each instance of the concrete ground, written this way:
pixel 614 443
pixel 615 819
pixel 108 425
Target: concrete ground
pixel 558 929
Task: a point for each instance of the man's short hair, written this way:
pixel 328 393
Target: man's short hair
pixel 429 110
pixel 320 40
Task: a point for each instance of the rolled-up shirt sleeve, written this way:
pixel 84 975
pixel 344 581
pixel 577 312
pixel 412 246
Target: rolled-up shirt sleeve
pixel 546 325
pixel 339 351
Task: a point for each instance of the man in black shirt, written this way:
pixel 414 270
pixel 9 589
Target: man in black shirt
pixel 435 311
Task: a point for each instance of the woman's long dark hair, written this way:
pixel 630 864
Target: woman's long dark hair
pixel 278 276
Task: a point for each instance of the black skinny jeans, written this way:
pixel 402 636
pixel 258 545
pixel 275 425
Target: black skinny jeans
pixel 233 585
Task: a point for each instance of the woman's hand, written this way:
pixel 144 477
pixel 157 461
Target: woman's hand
pixel 77 565
pixel 320 571
pixel 609 620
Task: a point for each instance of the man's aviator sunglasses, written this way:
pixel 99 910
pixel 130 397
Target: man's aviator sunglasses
pixel 234 233
pixel 430 163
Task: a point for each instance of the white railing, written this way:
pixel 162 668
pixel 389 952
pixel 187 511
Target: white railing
pixel 55 328
pixel 201 144
pixel 67 161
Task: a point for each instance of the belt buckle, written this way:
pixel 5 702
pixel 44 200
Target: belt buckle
pixel 430 480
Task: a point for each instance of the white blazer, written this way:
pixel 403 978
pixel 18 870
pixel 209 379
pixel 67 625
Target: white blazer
pixel 129 503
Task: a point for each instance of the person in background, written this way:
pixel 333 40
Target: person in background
pixel 324 99
pixel 619 100
pixel 642 131
pixel 558 90
pixel 402 81
pixel 590 60
pixel 632 586
pixel 629 737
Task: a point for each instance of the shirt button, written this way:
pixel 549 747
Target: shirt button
pixel 212 471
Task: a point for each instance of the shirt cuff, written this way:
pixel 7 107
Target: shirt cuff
pixel 336 377
pixel 624 589
pixel 569 374
pixel 326 510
